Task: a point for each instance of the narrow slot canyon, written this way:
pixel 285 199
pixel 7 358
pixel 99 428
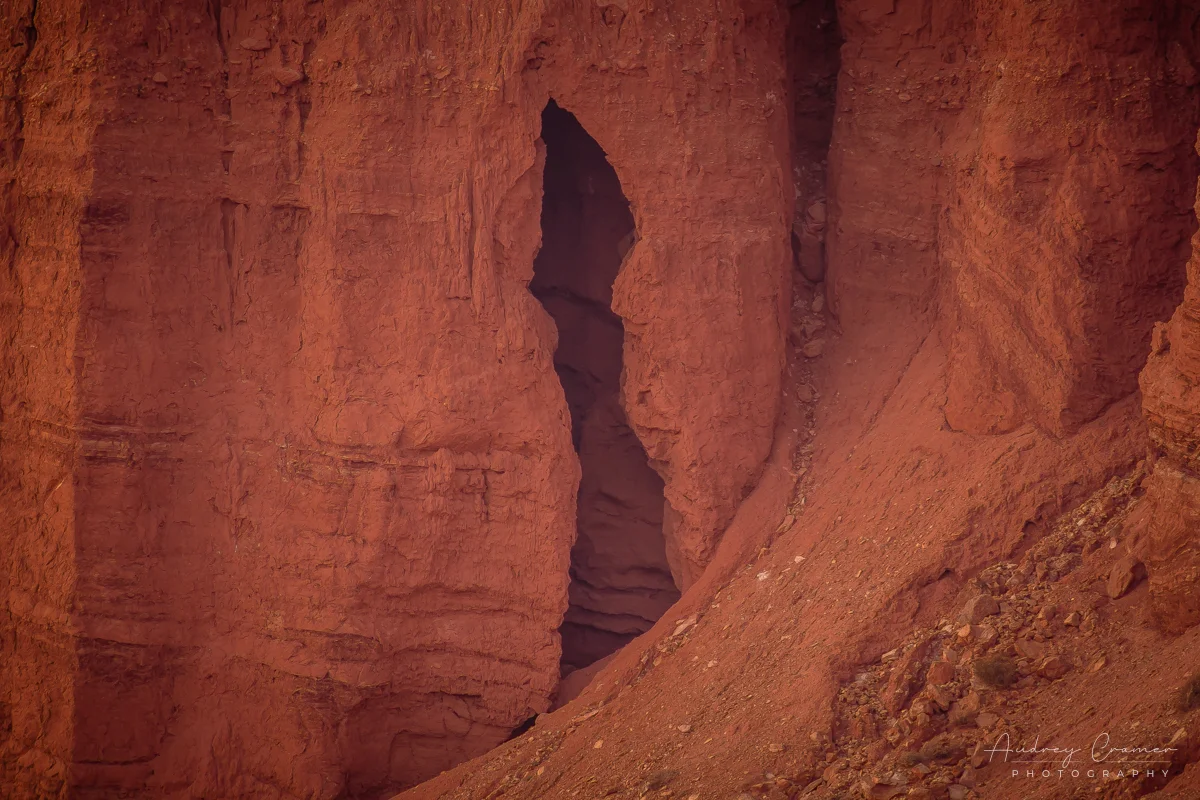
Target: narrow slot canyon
pixel 620 581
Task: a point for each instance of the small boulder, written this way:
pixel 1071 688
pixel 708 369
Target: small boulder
pixel 1054 668
pixel 980 756
pixel 964 711
pixel 884 791
pixel 941 698
pixel 287 76
pixel 1125 574
pixel 908 676
pixel 978 609
pixel 987 720
pixel 1030 648
pixel 940 673
pixel 943 749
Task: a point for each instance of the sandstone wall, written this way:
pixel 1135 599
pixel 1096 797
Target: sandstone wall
pixel 1018 174
pixel 1168 526
pixel 47 120
pixel 994 282
pixel 1067 220
pixel 293 471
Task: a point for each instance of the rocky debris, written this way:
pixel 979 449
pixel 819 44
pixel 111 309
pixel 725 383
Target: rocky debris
pixel 809 234
pixel 1012 636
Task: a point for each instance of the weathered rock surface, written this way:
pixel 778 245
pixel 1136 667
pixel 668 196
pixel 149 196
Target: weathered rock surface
pixel 1068 215
pixel 1170 519
pixel 980 265
pixel 291 480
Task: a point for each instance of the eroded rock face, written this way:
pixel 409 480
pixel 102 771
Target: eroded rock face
pixel 1170 518
pixel 293 474
pixel 1028 189
pixel 898 506
pixel 1068 220
pixel 46 123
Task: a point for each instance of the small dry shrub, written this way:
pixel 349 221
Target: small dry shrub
pixel 1189 694
pixel 998 671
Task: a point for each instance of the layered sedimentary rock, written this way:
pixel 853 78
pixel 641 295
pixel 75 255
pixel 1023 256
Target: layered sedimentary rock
pixel 1022 173
pixel 897 512
pixel 47 119
pixel 1170 522
pixel 1067 219
pixel 292 472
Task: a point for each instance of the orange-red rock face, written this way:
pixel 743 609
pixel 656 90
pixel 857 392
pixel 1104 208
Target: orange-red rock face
pixel 293 472
pixel 1023 176
pixel 1171 519
pixel 45 173
pixel 293 483
pixel 1069 213
pixel 932 255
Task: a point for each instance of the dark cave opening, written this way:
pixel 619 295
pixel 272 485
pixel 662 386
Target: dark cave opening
pixel 620 581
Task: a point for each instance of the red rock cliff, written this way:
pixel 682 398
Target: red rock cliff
pixel 291 476
pixel 291 473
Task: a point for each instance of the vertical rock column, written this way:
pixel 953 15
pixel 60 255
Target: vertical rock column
pixel 1067 223
pixel 47 121
pixel 1170 518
